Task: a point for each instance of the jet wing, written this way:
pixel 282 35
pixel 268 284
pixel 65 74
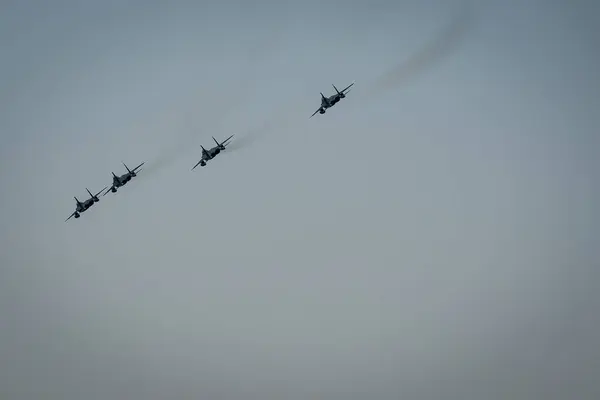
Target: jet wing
pixel 347 87
pixel 71 216
pixel 97 194
pixel 136 168
pixel 197 163
pixel 109 189
pixel 224 141
pixel 313 114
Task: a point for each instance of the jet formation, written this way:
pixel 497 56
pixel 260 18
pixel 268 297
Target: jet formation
pixel 119 181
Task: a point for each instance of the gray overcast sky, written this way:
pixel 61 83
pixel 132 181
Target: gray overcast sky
pixel 434 235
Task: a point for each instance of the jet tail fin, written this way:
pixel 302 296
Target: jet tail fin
pixel 90 193
pixel 216 141
pixel 126 167
pixel 336 89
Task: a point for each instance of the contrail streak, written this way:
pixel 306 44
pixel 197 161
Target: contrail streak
pixel 444 44
pixel 277 123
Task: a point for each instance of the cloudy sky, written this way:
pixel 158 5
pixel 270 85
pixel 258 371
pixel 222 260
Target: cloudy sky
pixel 434 235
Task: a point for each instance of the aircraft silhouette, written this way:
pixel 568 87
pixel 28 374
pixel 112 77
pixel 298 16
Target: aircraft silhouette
pixel 328 102
pixel 208 155
pixel 119 181
pixel 82 206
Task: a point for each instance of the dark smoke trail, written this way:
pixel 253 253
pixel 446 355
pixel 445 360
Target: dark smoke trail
pixel 444 44
pixel 276 123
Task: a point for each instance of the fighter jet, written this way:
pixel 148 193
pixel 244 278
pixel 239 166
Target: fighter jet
pixel 328 102
pixel 119 181
pixel 212 153
pixel 83 206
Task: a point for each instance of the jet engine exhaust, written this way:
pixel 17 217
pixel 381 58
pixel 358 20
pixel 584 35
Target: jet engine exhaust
pixel 443 45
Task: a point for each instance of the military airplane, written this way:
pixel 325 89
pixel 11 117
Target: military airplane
pixel 83 206
pixel 119 181
pixel 212 153
pixel 328 102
